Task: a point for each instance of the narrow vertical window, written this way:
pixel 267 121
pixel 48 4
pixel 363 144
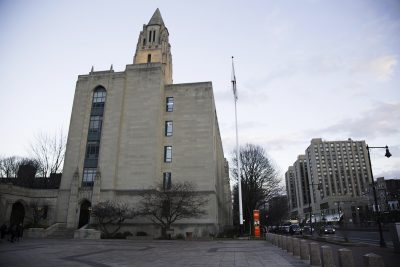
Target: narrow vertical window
pixel 168 128
pixel 167 181
pixel 88 176
pixel 170 104
pixel 95 124
pixel 149 36
pixel 144 41
pixel 154 36
pixel 168 154
pixel 148 58
pixel 99 97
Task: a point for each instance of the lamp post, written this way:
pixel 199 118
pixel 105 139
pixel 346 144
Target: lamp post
pixel 309 204
pixel 378 220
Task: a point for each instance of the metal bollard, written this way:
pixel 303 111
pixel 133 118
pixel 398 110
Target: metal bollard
pixel 304 250
pixel 296 247
pixel 289 241
pixel 315 255
pixel 346 258
pixel 327 256
pixel 373 260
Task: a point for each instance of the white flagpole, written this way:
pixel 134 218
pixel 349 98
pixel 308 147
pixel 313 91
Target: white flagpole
pixel 237 146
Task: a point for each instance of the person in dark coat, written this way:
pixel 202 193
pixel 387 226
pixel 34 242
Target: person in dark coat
pixel 13 232
pixel 20 231
pixel 3 230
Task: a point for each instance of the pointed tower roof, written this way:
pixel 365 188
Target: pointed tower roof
pixel 156 19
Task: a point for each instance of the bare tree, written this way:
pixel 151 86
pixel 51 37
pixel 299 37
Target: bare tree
pixel 38 212
pixel 164 207
pixel 9 167
pixel 278 210
pixel 259 180
pixel 49 152
pixel 111 215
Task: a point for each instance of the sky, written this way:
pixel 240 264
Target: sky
pixel 305 69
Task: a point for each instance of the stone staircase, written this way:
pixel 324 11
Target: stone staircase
pixel 62 233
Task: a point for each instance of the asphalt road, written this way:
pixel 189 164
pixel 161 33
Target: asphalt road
pixel 367 237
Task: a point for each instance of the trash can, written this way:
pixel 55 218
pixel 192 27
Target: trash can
pixel 395 233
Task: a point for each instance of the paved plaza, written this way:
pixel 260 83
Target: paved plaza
pixel 102 253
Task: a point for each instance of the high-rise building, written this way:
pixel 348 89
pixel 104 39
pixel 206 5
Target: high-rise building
pixel 336 179
pixel 291 191
pixel 134 129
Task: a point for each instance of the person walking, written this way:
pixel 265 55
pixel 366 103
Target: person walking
pixel 3 231
pixel 13 232
pixel 20 231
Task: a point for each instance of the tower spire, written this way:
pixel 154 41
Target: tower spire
pixel 153 46
pixel 156 19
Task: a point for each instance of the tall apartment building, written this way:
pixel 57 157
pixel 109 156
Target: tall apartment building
pixel 291 190
pixel 134 129
pixel 337 179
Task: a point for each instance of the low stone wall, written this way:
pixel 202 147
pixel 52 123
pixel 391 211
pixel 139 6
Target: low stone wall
pixel 310 252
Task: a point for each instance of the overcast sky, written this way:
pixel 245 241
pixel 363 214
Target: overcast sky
pixel 305 69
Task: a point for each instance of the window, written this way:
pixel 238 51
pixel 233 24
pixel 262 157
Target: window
pixel 95 124
pixel 170 104
pixel 167 180
pixel 99 97
pixel 168 154
pixel 88 176
pixel 168 128
pixel 148 58
pixel 92 150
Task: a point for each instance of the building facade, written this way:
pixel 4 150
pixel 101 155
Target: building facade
pixel 133 130
pixel 336 180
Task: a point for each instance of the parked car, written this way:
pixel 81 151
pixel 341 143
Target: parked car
pixel 295 229
pixel 307 229
pixel 285 229
pixel 327 229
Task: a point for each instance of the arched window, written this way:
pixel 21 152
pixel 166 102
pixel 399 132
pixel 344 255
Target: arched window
pixel 99 97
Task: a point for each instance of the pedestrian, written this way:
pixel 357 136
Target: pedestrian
pixel 3 230
pixel 20 231
pixel 13 232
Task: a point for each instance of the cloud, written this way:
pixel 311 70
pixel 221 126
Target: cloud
pixel 382 120
pixel 383 67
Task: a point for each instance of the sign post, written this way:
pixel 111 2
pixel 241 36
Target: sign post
pixel 256 217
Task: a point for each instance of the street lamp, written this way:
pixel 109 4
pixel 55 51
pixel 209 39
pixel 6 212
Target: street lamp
pixel 388 155
pixel 309 203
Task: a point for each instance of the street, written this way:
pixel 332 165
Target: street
pixel 368 237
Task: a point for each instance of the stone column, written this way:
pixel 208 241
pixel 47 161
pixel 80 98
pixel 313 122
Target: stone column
pixel 315 255
pixel 327 256
pixel 284 243
pixel 373 260
pixel 346 258
pixel 296 247
pixel 289 244
pixel 304 250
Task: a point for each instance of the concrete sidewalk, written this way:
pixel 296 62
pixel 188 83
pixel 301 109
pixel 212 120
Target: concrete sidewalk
pixel 102 253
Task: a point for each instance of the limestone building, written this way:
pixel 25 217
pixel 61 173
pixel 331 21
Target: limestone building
pixel 131 130
pixel 334 176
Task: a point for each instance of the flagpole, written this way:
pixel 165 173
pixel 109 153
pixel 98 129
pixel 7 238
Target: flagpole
pixel 237 147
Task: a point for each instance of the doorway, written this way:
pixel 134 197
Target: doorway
pixel 17 213
pixel 84 214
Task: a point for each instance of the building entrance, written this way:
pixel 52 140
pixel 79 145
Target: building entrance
pixel 84 214
pixel 17 213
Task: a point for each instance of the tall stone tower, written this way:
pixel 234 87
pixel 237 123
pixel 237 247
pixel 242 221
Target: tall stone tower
pixel 153 45
pixel 130 130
